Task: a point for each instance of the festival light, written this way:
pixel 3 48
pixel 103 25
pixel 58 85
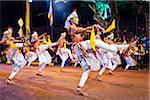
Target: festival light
pixel 30 0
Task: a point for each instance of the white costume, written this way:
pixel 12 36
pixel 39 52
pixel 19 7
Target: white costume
pixel 100 44
pixel 16 56
pixel 43 56
pixel 64 55
pixel 8 55
pixel 81 47
pixel 105 58
pixel 129 60
pixel 18 61
pixel 115 61
pixel 62 51
pixel 30 57
pixel 75 59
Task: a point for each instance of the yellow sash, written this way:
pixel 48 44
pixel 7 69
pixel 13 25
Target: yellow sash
pixel 92 39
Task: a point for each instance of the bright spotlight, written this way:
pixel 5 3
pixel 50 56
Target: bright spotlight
pixel 30 0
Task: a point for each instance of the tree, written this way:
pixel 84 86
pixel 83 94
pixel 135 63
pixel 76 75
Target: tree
pixel 114 14
pixel 143 8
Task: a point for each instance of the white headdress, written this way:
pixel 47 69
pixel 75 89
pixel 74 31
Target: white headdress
pixel 72 15
pixel 10 29
pixel 33 36
pixel 5 33
pixel 111 36
pixel 63 34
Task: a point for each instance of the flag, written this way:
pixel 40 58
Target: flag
pixel 92 39
pixel 48 42
pixel 111 27
pixel 50 13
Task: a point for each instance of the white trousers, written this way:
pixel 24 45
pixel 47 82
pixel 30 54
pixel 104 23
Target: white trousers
pixel 18 61
pixel 84 64
pixel 32 57
pixel 84 78
pixel 103 45
pixel 130 62
pixel 16 69
pixel 64 55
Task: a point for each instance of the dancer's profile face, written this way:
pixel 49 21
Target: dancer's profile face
pixel 8 35
pixel 75 20
pixel 10 30
pixel 64 35
pixel 25 50
pixel 36 37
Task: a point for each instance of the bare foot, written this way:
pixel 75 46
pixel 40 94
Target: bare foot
pixel 62 70
pixel 110 73
pixel 98 78
pixel 79 91
pixel 125 70
pixel 39 74
pixel 9 81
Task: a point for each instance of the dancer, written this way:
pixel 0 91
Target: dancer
pixel 8 50
pixel 108 59
pixel 129 60
pixel 47 40
pixel 16 56
pixel 62 51
pixel 105 58
pixel 116 60
pixel 41 51
pixel 80 47
pixel 29 56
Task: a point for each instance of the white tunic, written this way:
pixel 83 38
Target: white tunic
pixel 17 57
pixel 43 55
pixel 31 57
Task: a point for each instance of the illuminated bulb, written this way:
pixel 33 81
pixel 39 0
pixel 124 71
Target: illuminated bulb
pixel 30 0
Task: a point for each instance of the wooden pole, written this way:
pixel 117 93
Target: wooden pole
pixel 27 17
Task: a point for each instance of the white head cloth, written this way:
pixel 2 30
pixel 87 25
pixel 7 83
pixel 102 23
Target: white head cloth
pixel 63 34
pixel 33 35
pixel 111 36
pixel 72 15
pixel 4 36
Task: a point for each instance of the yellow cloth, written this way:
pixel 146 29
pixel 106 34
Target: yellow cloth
pixel 142 49
pixel 45 42
pixel 135 49
pixel 14 46
pixel 48 42
pixel 64 45
pixel 111 27
pixel 92 39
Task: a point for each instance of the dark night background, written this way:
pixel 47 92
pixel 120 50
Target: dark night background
pixel 11 11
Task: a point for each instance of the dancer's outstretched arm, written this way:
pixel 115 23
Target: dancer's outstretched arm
pixel 2 41
pixel 81 29
pixel 53 44
pixel 42 35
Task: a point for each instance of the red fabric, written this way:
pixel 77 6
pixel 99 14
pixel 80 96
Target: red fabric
pixel 78 38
